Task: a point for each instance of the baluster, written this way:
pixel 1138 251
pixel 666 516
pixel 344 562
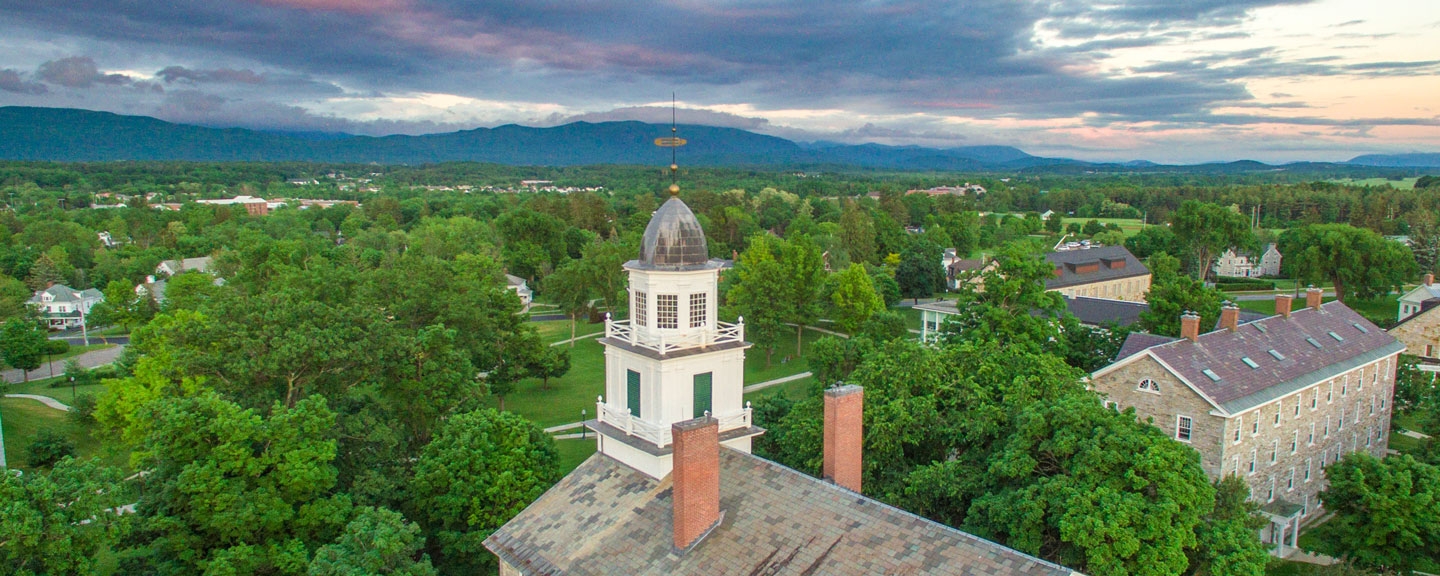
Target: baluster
pixel 629 423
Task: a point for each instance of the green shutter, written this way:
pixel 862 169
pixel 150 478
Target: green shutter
pixel 702 394
pixel 632 392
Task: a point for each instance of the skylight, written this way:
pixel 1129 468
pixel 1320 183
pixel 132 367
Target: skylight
pixel 1313 342
pixel 1276 354
pixel 1260 327
pixel 1336 337
pixel 1210 374
pixel 1362 329
pixel 1249 362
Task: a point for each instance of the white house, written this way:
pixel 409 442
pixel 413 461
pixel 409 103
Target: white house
pixel 1235 265
pixel 517 284
pixel 64 307
pixel 173 267
pixel 1412 302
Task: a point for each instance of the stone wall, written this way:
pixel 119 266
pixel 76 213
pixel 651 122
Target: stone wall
pixel 1131 289
pixel 1421 335
pixel 1174 399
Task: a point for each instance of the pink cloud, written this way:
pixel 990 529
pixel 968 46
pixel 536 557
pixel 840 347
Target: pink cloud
pixel 350 6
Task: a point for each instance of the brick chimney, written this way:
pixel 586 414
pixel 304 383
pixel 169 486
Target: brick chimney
pixel 844 432
pixel 1313 297
pixel 1283 304
pixel 1429 279
pixel 1190 326
pixel 1230 317
pixel 696 476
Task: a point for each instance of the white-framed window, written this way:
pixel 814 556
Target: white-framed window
pixel 1236 468
pixel 1327 426
pixel 1278 408
pixel 1113 405
pixel 1252 460
pixel 1311 441
pixel 1372 405
pixel 1270 496
pixel 1330 396
pixel 1290 480
pixel 1368 437
pixel 1324 453
pixel 1382 403
pixel 1274 451
pixel 667 311
pixel 1360 382
pixel 1237 432
pixel 1358 405
pixel 1342 419
pixel 1295 442
pixel 638 310
pixel 1149 385
pixel 1297 405
pixel 1307 469
pixel 1184 427
pixel 1345 387
pixel 698 309
pixel 1255 426
pixel 1315 400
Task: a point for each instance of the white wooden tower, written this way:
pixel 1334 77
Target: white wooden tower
pixel 672 360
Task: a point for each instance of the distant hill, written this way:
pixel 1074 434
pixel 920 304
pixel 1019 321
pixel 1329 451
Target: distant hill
pixel 63 134
pixel 1417 160
pixel 71 135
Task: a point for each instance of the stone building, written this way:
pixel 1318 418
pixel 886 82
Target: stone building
pixel 1110 272
pixel 673 488
pixel 1425 295
pixel 1237 265
pixel 1272 401
pixel 1420 332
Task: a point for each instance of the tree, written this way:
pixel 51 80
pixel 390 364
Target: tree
pixel 1386 514
pixel 13 297
pixel 1227 545
pixel 804 272
pixel 232 491
pixel 553 363
pixel 482 469
pixel 886 287
pixel 1092 228
pixel 1357 261
pixel 48 448
pixel 921 273
pixel 569 286
pixel 22 344
pixel 1153 239
pixel 854 298
pixel 760 285
pixel 377 542
pixel 1172 294
pixel 1209 230
pixel 885 325
pixel 857 233
pixel 58 523
pixel 1010 304
pixel 1055 224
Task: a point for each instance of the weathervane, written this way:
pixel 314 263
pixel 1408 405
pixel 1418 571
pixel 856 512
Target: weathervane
pixel 672 143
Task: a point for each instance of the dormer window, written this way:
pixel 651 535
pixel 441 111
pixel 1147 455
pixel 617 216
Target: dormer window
pixel 1149 385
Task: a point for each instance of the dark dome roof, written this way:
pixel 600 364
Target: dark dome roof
pixel 674 239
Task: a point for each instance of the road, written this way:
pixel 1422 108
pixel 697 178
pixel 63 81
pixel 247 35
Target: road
pixel 87 360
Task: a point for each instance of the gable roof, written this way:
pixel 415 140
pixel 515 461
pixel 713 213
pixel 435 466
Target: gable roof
pixel 1307 353
pixel 1086 266
pixel 1091 311
pixel 63 293
pixel 606 518
pixel 201 263
pixel 1426 306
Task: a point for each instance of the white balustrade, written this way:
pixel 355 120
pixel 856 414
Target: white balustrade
pixel 665 342
pixel 658 434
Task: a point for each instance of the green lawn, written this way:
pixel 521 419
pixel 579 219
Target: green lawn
pixel 1278 567
pixel 1405 444
pixel 78 350
pixel 61 392
pixel 573 452
pixel 556 330
pixel 755 370
pixel 794 390
pixel 24 418
pixel 1128 226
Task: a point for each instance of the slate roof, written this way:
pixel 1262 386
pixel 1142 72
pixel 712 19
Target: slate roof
pixel 1240 387
pixel 63 293
pixel 1425 306
pixel 1427 290
pixel 606 518
pixel 201 263
pixel 673 240
pixel 1067 261
pixel 1092 311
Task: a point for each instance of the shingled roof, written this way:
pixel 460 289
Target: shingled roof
pixel 606 518
pixel 1312 345
pixel 1085 266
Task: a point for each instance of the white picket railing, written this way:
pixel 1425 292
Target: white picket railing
pixel 666 342
pixel 656 434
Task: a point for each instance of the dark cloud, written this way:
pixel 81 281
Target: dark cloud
pixel 78 72
pixel 221 75
pixel 662 115
pixel 10 81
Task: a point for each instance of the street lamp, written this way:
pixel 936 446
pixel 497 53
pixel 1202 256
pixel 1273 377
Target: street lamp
pixel 582 423
pixel 72 390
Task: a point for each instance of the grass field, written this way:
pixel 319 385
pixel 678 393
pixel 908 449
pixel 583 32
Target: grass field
pixel 23 420
pixel 1380 310
pixel 556 330
pixel 1402 184
pixel 61 392
pixel 573 452
pixel 1128 226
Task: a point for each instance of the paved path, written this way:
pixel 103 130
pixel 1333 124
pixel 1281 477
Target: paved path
pixel 46 400
pixel 777 382
pixel 1414 434
pixel 89 359
pixel 821 330
pixel 79 341
pixel 562 427
pixel 579 338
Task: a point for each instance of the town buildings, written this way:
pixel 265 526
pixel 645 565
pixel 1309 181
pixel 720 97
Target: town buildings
pixel 1419 326
pixel 63 307
pixel 1231 264
pixel 673 488
pixel 1272 401
pixel 1109 272
pixel 517 285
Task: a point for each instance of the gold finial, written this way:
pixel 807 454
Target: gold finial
pixel 674 189
pixel 672 143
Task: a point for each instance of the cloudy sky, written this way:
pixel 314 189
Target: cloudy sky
pixel 1163 80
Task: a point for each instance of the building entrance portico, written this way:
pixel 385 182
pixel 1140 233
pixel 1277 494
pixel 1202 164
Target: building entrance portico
pixel 1283 532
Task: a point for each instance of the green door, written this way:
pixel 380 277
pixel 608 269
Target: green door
pixel 702 394
pixel 632 392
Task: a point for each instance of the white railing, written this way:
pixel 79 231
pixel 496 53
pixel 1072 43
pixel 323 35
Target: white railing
pixel 666 342
pixel 655 433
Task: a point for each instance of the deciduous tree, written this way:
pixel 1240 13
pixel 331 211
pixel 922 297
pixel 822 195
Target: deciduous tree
pixel 58 522
pixel 1208 230
pixel 854 298
pixel 377 542
pixel 1386 512
pixel 1357 261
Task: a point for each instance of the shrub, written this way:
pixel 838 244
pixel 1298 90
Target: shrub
pixel 48 448
pixel 82 410
pixel 1238 284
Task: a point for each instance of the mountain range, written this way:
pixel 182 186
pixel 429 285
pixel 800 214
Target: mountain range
pixel 73 135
